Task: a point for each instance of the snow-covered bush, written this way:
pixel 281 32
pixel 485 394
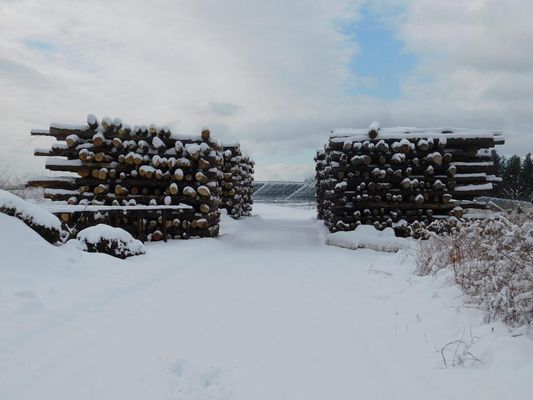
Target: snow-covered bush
pixel 43 222
pixel 116 242
pixel 492 261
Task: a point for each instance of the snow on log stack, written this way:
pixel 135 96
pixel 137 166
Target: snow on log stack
pixel 237 182
pixel 402 177
pixel 144 179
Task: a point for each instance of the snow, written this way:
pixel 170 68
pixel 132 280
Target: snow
pixel 74 138
pixel 28 211
pixel 204 147
pixel 91 119
pixel 58 208
pixel 472 175
pixel 158 143
pixel 467 188
pixel 192 148
pixel 405 142
pixel 62 162
pixel 189 191
pixel 184 162
pixel 178 173
pixel 342 134
pixel 46 178
pixel 59 125
pixel 341 186
pixel 265 311
pixel 398 157
pixel 368 237
pixel 59 146
pixel 473 164
pixel 40 131
pixel 146 169
pixel 494 178
pixel 374 126
pixel 41 150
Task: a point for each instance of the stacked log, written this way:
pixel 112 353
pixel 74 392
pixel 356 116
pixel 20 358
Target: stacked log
pixel 320 165
pixel 145 179
pixel 237 181
pixel 247 183
pixel 402 177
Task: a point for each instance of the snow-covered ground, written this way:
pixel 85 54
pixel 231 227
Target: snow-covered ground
pixel 265 311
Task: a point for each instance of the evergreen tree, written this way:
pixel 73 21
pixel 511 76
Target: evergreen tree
pixel 526 178
pixel 513 187
pixel 499 167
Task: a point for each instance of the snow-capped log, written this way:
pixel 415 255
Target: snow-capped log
pixel 92 121
pixel 41 221
pixel 145 165
pixel 373 130
pixel 401 176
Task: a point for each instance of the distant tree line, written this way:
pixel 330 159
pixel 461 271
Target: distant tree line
pixel 517 176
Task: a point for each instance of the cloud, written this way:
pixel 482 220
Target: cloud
pixel 224 109
pixel 475 67
pixel 274 75
pixel 170 61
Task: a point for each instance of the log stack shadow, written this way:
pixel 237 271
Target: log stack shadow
pixel 404 178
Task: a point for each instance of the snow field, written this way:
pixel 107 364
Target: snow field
pixel 265 311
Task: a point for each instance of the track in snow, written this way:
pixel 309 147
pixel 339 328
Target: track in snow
pixel 280 317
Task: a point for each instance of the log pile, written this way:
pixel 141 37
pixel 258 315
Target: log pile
pixel 402 177
pixel 247 183
pixel 320 165
pixel 237 181
pixel 154 184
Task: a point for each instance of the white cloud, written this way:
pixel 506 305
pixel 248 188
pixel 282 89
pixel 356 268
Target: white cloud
pixel 236 65
pixel 475 65
pixel 273 75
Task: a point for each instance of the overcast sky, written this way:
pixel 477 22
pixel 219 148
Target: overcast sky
pixel 274 75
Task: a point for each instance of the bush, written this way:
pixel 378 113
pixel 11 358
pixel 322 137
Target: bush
pixel 492 261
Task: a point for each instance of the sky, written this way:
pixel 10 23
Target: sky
pixel 275 75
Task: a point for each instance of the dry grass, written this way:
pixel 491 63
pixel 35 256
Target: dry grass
pixel 492 261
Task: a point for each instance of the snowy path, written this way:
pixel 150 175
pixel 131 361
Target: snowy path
pixel 280 317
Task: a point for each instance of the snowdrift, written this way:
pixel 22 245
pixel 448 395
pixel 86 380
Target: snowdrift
pixel 44 223
pixel 368 237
